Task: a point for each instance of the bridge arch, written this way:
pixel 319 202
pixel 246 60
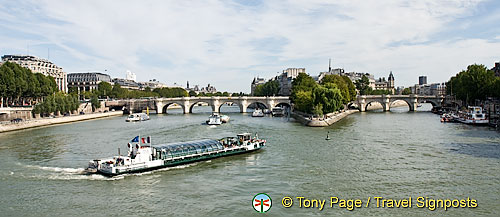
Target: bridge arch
pixel 372 102
pixel 391 104
pixel 281 104
pixel 165 107
pixel 226 102
pixel 432 102
pixel 197 102
pixel 259 104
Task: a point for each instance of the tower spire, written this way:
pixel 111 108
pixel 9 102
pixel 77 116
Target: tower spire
pixel 330 65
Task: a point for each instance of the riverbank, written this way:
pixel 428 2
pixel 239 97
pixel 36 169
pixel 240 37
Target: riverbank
pixel 53 121
pixel 328 120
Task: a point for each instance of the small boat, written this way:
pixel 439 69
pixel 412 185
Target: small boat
pixel 214 119
pixel 446 118
pixel 258 113
pixel 278 111
pixel 143 156
pixel 328 136
pixel 137 117
pixel 224 118
pixel 474 115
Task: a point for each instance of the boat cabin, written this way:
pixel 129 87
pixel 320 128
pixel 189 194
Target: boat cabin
pixel 244 136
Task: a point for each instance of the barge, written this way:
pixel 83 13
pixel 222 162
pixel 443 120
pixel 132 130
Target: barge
pixel 143 156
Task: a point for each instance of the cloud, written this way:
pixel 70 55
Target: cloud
pixel 227 43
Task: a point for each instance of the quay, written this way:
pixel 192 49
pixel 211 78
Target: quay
pixel 57 120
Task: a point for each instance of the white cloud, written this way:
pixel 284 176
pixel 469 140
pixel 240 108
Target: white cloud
pixel 219 42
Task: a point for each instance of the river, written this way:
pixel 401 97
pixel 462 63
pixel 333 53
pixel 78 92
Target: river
pixel 394 155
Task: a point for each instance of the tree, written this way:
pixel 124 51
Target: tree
pixel 351 87
pixel 19 84
pixel 303 101
pixel 477 82
pixel 363 86
pixel 270 88
pixel 406 91
pixel 192 93
pixel 329 96
pixel 95 102
pixel 104 89
pixel 340 84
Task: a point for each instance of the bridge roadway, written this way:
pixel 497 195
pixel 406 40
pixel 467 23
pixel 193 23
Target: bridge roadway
pixel 387 100
pixel 187 103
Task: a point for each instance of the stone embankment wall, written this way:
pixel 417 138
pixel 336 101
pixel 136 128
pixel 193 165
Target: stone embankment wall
pixel 327 120
pixel 5 127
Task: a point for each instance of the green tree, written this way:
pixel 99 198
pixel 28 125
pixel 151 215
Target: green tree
pixel 363 86
pixel 104 89
pixel 329 96
pixel 341 85
pixel 192 93
pixel 477 82
pixel 303 101
pixel 95 102
pixel 406 91
pixel 270 88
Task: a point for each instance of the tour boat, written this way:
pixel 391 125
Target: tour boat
pixel 474 115
pixel 257 113
pixel 278 111
pixel 137 117
pixel 214 119
pixel 143 156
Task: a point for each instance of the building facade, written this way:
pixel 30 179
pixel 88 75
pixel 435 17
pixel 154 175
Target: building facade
pixel 39 65
pixel 88 81
pixel 130 76
pixel 256 81
pixel 152 84
pixel 422 80
pixel 127 84
pixel 434 89
pixel 496 69
pixel 382 84
pixel 285 80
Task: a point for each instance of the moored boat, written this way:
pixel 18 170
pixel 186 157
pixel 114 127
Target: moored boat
pixel 474 115
pixel 144 156
pixel 278 111
pixel 137 117
pixel 257 113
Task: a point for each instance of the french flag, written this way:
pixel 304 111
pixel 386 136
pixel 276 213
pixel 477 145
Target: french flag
pixel 146 140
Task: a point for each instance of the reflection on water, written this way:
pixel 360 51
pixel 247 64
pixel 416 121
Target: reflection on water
pixel 392 154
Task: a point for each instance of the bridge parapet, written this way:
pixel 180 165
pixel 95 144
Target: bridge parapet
pixel 386 100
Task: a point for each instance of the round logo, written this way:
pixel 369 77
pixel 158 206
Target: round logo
pixel 261 202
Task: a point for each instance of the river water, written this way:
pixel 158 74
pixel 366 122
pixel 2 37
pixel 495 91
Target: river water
pixel 394 155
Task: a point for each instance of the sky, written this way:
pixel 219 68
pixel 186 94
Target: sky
pixel 228 43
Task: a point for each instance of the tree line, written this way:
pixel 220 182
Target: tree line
pixel 270 88
pixel 475 83
pixel 331 94
pixel 20 86
pixel 58 102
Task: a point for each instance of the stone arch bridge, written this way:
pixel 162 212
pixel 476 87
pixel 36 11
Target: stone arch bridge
pixel 387 100
pixel 187 103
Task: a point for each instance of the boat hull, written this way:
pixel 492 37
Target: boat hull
pixel 186 160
